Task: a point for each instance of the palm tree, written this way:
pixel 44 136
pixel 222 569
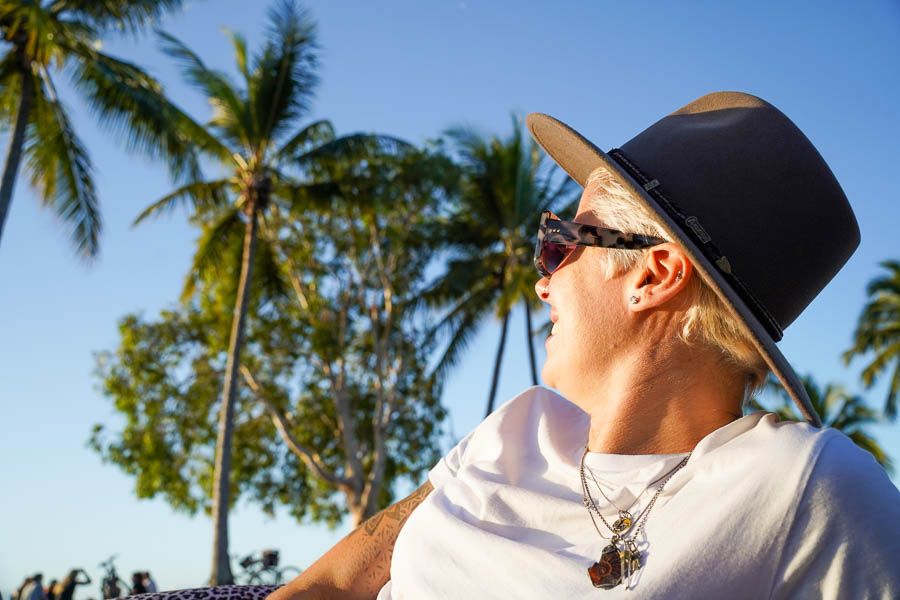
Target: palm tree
pixel 839 409
pixel 505 186
pixel 44 38
pixel 268 167
pixel 878 331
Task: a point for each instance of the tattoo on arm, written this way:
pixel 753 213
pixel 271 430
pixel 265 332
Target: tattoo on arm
pixel 399 512
pixel 381 530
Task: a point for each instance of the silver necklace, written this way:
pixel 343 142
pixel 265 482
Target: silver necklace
pixel 624 515
pixel 619 564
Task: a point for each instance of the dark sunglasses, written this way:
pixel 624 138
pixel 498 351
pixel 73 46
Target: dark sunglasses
pixel 557 239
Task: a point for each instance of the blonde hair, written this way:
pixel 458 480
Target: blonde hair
pixel 707 321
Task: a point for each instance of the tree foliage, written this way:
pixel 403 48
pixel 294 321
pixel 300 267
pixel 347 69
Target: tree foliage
pixel 878 334
pixel 45 39
pixel 339 405
pixel 505 185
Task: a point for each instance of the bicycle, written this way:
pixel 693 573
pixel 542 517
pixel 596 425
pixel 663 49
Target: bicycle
pixel 112 585
pixel 264 570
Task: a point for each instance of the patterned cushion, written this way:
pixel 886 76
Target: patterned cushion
pixel 221 592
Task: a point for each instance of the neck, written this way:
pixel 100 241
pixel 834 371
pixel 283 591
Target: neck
pixel 662 404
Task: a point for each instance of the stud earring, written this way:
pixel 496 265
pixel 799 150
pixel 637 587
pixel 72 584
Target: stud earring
pixel 634 299
pixel 678 276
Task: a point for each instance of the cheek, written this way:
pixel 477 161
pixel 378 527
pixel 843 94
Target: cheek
pixel 599 325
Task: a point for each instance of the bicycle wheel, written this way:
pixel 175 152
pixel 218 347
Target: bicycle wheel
pixel 267 576
pixel 286 574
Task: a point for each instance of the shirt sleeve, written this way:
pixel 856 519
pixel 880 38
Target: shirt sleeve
pixel 449 465
pixel 845 538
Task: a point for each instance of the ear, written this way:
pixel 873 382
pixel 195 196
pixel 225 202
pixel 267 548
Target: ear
pixel 657 281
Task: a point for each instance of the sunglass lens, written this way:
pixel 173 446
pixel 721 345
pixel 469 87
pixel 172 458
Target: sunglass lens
pixel 553 254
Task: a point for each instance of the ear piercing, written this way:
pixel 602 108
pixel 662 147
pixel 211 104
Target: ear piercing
pixel 635 299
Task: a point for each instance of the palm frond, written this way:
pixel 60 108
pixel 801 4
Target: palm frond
pixel 61 169
pixel 890 404
pixel 130 15
pixel 199 195
pixel 357 146
pixel 313 135
pixel 10 89
pixel 868 443
pixel 133 104
pixel 222 237
pixel 241 54
pixel 284 76
pixel 889 283
pixel 461 324
pixel 230 114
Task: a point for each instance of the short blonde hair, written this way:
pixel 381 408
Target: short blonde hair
pixel 708 321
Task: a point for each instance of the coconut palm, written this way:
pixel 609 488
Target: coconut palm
pixel 268 169
pixel 878 331
pixel 505 186
pixel 838 408
pixel 44 38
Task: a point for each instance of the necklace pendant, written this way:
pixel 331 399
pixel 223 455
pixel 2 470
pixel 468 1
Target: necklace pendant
pixel 606 573
pixel 623 523
pixel 631 560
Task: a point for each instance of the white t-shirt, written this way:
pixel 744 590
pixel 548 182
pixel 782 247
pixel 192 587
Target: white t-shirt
pixel 763 509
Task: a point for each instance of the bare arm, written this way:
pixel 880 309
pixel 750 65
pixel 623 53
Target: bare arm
pixel 87 578
pixel 360 564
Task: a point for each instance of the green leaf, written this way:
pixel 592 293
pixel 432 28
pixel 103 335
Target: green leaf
pixel 200 196
pixel 61 169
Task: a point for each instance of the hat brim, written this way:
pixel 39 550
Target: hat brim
pixel 579 158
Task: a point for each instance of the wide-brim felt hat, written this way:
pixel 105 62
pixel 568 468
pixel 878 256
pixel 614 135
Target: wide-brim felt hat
pixel 751 200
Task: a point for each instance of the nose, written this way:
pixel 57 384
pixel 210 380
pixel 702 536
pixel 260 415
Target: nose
pixel 542 289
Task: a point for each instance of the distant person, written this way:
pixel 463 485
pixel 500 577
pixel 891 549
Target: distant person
pixel 149 584
pixel 51 591
pixel 19 593
pixel 71 581
pixel 137 583
pixel 35 589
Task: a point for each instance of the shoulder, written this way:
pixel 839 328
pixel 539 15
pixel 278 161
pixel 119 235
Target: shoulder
pixel 845 532
pixel 535 402
pixel 831 458
pixel 844 472
pixel 532 422
pixel 533 417
pixel 778 442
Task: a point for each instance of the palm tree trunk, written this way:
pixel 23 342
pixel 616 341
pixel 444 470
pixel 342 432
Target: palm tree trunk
pixel 16 142
pixel 496 378
pixel 529 337
pixel 221 565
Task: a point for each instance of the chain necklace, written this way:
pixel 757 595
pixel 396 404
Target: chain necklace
pixel 619 564
pixel 624 515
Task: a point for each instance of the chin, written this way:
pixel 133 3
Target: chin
pixel 548 377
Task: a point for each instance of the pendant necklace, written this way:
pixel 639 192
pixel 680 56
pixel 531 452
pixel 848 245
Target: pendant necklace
pixel 625 517
pixel 620 558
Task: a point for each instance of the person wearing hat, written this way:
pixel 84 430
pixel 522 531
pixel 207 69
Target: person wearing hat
pixel 694 246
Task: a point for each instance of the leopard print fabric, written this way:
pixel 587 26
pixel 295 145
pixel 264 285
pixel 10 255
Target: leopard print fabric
pixel 221 592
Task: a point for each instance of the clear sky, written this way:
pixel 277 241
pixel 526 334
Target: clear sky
pixel 409 68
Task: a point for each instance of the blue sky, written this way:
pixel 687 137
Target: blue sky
pixel 411 69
